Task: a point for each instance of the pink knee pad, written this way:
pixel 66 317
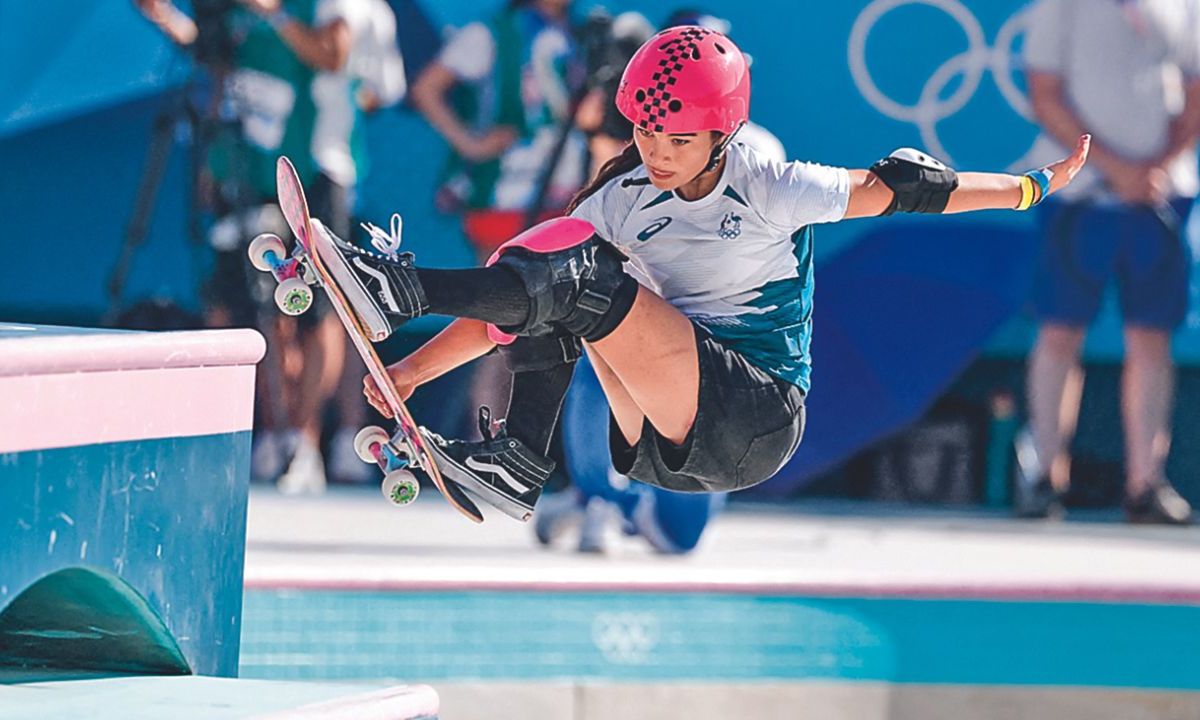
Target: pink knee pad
pixel 549 236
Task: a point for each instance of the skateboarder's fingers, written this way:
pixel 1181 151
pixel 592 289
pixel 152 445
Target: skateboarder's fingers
pixel 371 390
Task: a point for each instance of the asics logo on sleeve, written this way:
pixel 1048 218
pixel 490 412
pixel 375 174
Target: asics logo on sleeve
pixel 653 228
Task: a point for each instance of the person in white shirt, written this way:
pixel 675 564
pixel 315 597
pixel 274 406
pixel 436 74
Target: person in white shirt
pixel 295 67
pixel 1127 71
pixel 497 92
pixel 369 76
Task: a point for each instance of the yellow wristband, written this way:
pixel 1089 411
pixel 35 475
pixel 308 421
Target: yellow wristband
pixel 1026 193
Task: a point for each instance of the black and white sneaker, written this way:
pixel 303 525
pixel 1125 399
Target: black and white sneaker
pixel 500 470
pixel 382 287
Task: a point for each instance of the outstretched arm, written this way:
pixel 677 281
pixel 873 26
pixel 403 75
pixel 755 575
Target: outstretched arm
pixel 461 342
pixel 869 196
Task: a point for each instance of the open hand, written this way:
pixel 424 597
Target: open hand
pixel 1066 169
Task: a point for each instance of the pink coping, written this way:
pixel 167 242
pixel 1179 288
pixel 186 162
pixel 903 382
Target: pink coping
pixel 37 354
pixel 39 412
pixel 934 590
pixel 66 391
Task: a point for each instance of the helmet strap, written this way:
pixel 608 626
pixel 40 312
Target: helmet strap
pixel 719 149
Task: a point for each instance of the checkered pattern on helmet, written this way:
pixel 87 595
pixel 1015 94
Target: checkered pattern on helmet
pixel 657 101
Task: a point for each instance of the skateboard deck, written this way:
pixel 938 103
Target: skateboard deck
pixel 295 210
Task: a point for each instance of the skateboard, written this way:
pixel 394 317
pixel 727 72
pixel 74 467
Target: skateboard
pixel 405 450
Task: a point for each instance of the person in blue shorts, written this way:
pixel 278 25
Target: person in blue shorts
pixel 1128 73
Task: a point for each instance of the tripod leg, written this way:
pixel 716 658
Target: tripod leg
pixel 157 156
pixel 538 201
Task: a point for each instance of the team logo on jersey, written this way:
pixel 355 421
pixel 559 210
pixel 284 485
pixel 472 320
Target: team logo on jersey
pixel 731 226
pixel 653 228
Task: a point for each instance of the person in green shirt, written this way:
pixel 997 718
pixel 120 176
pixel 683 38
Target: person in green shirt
pixel 278 49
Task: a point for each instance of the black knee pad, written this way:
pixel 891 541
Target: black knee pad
pixel 582 289
pixel 542 352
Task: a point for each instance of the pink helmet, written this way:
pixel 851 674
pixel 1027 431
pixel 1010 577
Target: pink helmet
pixel 686 79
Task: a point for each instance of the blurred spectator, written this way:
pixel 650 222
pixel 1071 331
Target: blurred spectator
pixel 608 130
pixel 288 79
pixel 499 92
pixel 1128 72
pixel 370 77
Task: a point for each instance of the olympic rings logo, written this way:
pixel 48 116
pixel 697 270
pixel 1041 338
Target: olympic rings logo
pixel 972 64
pixel 626 638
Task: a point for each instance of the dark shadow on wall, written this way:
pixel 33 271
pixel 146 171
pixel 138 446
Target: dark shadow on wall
pixel 85 621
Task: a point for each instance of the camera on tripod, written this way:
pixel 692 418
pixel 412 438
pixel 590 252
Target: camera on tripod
pixel 208 35
pixel 608 43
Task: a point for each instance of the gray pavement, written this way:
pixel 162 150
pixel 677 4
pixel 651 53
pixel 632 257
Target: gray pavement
pixel 352 537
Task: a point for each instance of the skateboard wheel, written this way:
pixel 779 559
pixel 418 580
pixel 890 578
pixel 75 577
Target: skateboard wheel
pixel 293 296
pixel 400 487
pixel 367 437
pixel 260 246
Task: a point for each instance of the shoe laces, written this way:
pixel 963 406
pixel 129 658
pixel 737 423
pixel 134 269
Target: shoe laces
pixel 386 241
pixel 490 428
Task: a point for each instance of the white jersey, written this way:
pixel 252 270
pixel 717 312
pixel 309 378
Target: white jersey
pixel 374 61
pixel 738 261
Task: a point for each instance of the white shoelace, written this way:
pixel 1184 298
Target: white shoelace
pixel 385 242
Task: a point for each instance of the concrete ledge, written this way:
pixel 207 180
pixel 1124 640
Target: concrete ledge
pixel 210 698
pixel 788 701
pixel 46 350
pixel 64 387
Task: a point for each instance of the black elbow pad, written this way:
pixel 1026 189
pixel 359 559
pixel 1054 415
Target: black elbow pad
pixel 919 183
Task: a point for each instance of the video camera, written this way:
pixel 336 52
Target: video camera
pixel 607 45
pixel 214 44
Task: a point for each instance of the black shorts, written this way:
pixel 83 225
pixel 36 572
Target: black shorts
pixel 748 424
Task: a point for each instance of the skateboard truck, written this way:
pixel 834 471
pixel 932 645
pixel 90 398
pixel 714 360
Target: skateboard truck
pixel 293 294
pixel 372 445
